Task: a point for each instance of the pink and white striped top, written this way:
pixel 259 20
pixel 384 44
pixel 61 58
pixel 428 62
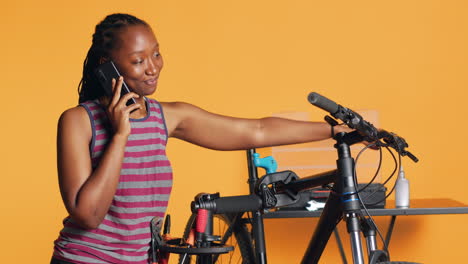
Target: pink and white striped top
pixel 143 193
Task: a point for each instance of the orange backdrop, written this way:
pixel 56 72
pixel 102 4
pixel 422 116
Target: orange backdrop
pixel 406 59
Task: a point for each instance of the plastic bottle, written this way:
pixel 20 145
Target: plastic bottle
pixel 402 195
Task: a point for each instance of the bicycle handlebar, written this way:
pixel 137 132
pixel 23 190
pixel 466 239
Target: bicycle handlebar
pixel 230 204
pixel 355 121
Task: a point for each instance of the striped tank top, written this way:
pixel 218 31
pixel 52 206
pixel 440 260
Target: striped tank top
pixel 143 192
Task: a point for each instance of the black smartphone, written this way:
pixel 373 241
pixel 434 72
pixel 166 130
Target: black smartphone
pixel 105 73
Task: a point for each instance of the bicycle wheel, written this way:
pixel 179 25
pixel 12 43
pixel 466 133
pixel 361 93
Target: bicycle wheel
pixel 241 241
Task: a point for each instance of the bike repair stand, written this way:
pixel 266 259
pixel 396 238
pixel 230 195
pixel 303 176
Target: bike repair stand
pixel 205 245
pixel 257 225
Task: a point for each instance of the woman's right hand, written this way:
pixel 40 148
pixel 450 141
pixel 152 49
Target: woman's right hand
pixel 117 110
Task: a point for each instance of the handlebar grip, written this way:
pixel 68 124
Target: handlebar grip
pixel 231 204
pixel 323 102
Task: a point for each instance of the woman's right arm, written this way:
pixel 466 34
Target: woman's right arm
pixel 88 193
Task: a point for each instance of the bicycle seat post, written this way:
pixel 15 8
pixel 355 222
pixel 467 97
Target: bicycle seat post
pixel 346 187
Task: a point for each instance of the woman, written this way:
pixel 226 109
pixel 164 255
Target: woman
pixel 114 175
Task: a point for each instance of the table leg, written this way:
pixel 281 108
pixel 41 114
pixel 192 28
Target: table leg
pixel 388 236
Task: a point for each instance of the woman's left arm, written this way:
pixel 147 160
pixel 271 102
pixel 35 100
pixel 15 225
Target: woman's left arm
pixel 195 125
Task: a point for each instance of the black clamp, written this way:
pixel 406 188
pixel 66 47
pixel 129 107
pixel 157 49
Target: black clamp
pixel 270 197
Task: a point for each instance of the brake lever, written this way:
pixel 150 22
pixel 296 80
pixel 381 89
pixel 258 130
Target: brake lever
pixel 411 156
pixel 396 142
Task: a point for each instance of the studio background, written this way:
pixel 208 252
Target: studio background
pixel 405 59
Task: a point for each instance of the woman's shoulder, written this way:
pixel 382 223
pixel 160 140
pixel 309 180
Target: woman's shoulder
pixel 82 111
pixel 177 106
pixel 75 118
pixel 180 110
pixel 174 113
pixel 76 112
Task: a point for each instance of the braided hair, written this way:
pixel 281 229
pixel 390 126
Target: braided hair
pixel 104 40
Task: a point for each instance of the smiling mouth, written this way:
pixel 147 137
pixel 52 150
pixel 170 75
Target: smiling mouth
pixel 151 81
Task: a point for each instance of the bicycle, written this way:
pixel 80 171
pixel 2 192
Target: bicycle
pixel 278 189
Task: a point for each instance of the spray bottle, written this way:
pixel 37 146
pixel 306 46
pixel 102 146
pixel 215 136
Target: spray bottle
pixel 402 195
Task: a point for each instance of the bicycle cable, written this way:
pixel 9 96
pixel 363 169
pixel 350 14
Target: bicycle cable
pixel 388 179
pixel 375 174
pixel 379 166
pixel 385 247
pixel 397 166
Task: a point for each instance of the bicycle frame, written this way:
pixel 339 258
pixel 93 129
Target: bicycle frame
pixel 342 202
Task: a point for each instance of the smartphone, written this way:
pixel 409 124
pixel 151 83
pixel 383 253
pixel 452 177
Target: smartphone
pixel 105 73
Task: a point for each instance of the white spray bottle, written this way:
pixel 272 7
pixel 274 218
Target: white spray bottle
pixel 402 195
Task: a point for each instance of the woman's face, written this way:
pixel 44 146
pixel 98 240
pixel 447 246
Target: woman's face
pixel 137 57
